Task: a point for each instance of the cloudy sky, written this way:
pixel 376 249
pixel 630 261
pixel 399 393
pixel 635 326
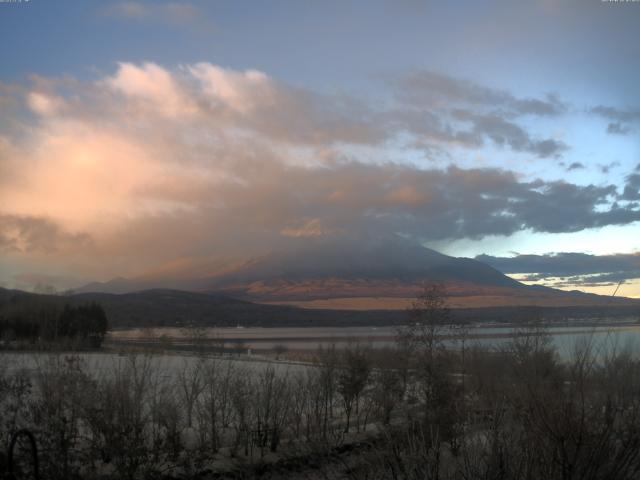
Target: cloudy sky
pixel 140 137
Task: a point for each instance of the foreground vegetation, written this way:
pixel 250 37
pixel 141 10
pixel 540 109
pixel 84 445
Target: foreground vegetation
pixel 414 412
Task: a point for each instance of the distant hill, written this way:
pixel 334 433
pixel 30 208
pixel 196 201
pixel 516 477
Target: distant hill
pixel 344 274
pixel 170 308
pixel 163 307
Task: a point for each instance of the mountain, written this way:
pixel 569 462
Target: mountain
pixel 347 273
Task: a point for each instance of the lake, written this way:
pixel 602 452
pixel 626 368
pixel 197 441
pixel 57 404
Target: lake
pixel 565 338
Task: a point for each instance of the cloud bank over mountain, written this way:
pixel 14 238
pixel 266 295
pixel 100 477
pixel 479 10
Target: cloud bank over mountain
pixel 570 268
pixel 147 167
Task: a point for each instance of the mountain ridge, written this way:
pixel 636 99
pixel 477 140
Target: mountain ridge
pixel 382 273
pixel 175 308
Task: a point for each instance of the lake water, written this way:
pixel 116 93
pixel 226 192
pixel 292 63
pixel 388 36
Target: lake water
pixel 170 365
pixel 565 338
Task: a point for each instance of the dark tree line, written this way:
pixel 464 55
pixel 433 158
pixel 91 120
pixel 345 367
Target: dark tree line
pixel 48 322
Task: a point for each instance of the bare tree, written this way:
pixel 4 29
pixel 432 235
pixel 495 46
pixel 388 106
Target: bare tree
pixel 388 392
pixel 353 378
pixel 327 383
pixel 423 340
pixel 215 405
pixel 272 405
pixel 429 319
pixel 190 380
pixel 300 402
pixel 242 402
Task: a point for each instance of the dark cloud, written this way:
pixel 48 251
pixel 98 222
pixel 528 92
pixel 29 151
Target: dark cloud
pixel 564 264
pixel 432 128
pixel 301 116
pixel 431 88
pixel 427 204
pixel 28 234
pixel 618 115
pixel 632 187
pixel 505 133
pixel 576 166
pixel 455 111
pixel 611 278
pixel 606 168
pixel 621 120
pixel 618 129
pixel 571 268
pixel 277 206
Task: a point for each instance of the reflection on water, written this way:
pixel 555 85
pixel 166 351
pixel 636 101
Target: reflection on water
pixel 601 340
pixel 564 338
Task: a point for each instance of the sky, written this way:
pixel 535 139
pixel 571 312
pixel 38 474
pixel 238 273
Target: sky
pixel 141 138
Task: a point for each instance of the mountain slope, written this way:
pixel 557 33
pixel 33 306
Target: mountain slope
pixel 345 273
pixel 392 259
